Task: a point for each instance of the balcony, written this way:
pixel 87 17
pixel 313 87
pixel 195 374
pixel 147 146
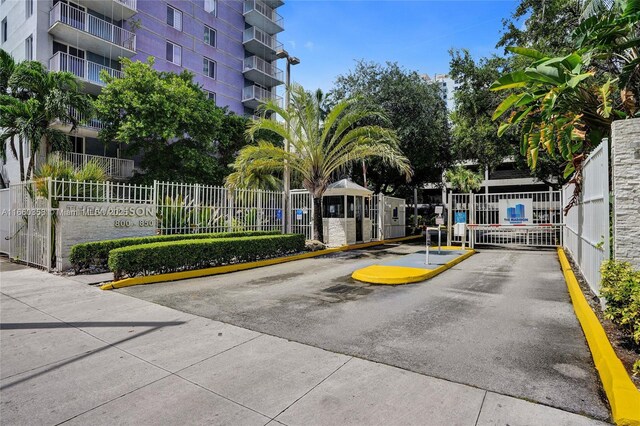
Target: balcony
pixel 258 14
pixel 77 28
pixel 87 71
pixel 114 9
pixel 116 168
pixel 260 43
pixel 253 96
pixel 262 72
pixel 88 127
pixel 273 3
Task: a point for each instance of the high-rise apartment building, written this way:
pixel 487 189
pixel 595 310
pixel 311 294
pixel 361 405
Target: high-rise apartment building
pixel 230 46
pixel 447 88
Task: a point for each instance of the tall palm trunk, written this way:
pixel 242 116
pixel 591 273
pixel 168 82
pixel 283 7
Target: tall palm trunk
pixel 21 159
pixel 317 219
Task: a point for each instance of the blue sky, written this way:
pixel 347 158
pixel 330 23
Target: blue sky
pixel 330 35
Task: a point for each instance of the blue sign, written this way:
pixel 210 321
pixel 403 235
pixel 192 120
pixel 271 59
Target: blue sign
pixel 279 214
pixel 299 214
pixel 516 213
pixel 461 217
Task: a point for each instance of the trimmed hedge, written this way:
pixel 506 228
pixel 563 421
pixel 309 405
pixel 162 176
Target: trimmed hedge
pixel 172 256
pixel 96 253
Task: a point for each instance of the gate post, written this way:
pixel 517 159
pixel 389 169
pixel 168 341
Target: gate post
pixel 259 210
pixel 154 195
pixel 196 202
pixel 230 198
pixel 381 212
pixel 449 218
pixel 313 217
pixel 49 225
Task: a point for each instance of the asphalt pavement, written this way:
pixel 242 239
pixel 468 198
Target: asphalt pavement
pixel 501 321
pixel 73 354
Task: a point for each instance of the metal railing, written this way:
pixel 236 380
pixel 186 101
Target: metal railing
pixel 586 236
pixel 260 94
pixel 264 10
pixel 255 62
pixel 485 216
pixel 254 33
pixel 192 208
pixel 543 235
pixel 88 123
pixel 131 4
pixel 121 168
pixel 86 70
pixel 90 24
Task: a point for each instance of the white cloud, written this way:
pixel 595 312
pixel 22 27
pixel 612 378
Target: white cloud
pixel 292 43
pixel 309 45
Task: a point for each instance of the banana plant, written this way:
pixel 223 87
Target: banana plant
pixel 557 106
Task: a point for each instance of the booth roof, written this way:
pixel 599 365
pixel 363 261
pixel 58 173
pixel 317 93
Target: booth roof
pixel 346 187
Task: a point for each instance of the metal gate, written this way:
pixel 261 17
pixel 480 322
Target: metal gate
pixel 5 225
pixel 508 219
pixel 376 219
pixel 301 214
pixel 31 224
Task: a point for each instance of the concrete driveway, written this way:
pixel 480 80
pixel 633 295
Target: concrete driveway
pixel 501 321
pixel 73 354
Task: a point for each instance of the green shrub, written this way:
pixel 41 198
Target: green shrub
pixel 621 289
pixel 96 254
pixel 171 256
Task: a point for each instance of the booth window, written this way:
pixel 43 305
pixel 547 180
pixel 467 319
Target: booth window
pixel 367 206
pixel 351 206
pixel 333 206
pixel 395 213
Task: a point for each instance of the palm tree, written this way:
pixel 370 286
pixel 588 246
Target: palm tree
pixel 463 179
pixel 320 146
pixel 31 100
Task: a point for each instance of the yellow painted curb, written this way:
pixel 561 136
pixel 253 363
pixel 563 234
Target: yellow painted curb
pixel 623 395
pixel 394 275
pixel 196 273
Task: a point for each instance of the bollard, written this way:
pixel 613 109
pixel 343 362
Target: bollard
pixel 427 241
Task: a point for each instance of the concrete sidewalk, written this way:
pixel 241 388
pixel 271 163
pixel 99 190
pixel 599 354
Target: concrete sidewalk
pixel 72 353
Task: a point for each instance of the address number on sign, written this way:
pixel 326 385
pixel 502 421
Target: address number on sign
pixel 122 223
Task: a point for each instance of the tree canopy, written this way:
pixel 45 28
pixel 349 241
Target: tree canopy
pixel 32 101
pixel 167 118
pixel 416 112
pixel 563 106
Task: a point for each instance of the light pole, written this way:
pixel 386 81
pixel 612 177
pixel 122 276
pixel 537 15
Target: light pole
pixel 291 60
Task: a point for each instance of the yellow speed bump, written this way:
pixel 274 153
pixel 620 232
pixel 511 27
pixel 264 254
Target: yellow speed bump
pixel 394 275
pixel 623 395
pixel 382 274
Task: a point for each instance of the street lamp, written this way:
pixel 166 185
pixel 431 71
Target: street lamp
pixel 291 60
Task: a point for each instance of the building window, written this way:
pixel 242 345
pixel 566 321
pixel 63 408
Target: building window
pixel 351 206
pixel 174 53
pixel 77 144
pixel 29 8
pixel 5 30
pixel 211 6
pixel 211 96
pixel 210 36
pixel 28 48
pixel 174 18
pixel 333 206
pixel 209 67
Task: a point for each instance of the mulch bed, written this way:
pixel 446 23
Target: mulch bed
pixel 622 343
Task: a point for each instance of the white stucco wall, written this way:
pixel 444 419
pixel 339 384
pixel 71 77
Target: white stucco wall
pixel 89 224
pixel 625 167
